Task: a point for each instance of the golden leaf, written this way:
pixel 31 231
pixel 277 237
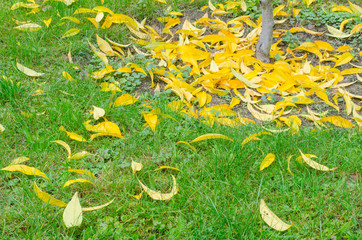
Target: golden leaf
pixel 151 120
pixel 98 112
pixel 136 166
pixel 337 33
pixel 269 159
pixel 271 219
pixel 25 169
pixel 2 129
pixel 81 180
pixel 82 171
pixel 73 19
pixel 73 135
pixel 68 76
pixel 79 155
pixel 314 164
pixel 70 32
pixel 19 160
pixel 337 121
pixel 28 27
pixel 166 167
pixel 188 144
pixel 47 22
pixel 254 137
pixel 343 59
pixel 124 100
pixel 47 198
pixel 88 209
pixel 158 195
pixel 211 136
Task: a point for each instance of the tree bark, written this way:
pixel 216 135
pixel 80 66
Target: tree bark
pixel 265 41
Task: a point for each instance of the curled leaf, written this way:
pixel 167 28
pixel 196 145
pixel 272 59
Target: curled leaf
pixel 189 145
pixel 73 135
pixel 166 167
pixel 158 195
pixel 211 136
pixel 79 180
pixel 136 166
pixel 65 145
pixel 88 209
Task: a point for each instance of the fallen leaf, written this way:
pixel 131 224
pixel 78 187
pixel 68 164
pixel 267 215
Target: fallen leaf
pixel 72 215
pixel 70 32
pixel 65 145
pixel 271 219
pixel 88 209
pixel 314 164
pixel 79 180
pixel 28 71
pixel 83 172
pixel 2 129
pixel 188 144
pixel 28 27
pixel 136 166
pixel 79 155
pixel 124 100
pixel 25 169
pixel 158 195
pixel 166 167
pixel 269 159
pixel 211 136
pixel 73 135
pixel 98 112
pixel 47 198
pixel 19 160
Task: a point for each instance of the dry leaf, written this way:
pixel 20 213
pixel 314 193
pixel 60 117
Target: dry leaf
pixel 211 136
pixel 314 164
pixel 158 195
pixel 269 159
pixel 88 209
pixel 136 166
pixel 28 71
pixel 72 215
pixel 80 180
pixel 271 219
pixel 47 198
pixel 25 169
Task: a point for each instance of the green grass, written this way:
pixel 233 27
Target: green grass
pixel 220 186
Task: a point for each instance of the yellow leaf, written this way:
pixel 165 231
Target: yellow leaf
pixel 19 160
pixel 243 79
pixel 271 219
pixel 136 166
pixel 104 129
pixel 79 155
pixel 73 135
pixel 70 32
pixel 308 2
pixel 158 195
pixel 302 29
pixel 337 121
pixel 290 157
pixel 296 12
pixel 106 87
pixel 324 46
pixel 350 71
pixel 341 9
pixel 65 145
pixel 314 164
pixel 25 169
pixel 81 171
pixel 37 92
pixel 254 137
pixel 97 207
pixel 2 129
pixel 356 28
pixel 151 120
pixel 23 5
pixel 269 159
pixel 93 21
pixel 28 71
pixel 124 100
pixel 81 180
pixel 104 46
pixel 203 98
pixel 98 112
pixel 337 33
pixel 161 1
pixel 211 136
pixel 343 59
pixel 47 22
pixel 188 144
pixel 68 76
pixel 355 8
pixel 260 116
pixel 83 10
pixel 73 19
pixel 103 9
pixel 99 16
pixel 47 198
pixel 28 27
pixel 72 215
pixel 166 167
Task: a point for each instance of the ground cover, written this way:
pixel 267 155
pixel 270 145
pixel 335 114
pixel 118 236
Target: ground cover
pixel 159 110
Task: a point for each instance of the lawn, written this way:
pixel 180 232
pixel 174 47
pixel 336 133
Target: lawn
pixel 156 123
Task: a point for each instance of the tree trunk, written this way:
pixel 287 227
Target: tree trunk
pixel 265 41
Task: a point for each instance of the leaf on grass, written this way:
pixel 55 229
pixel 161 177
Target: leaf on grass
pixel 81 171
pixel 158 195
pixel 72 215
pixel 28 27
pixel 254 137
pixel 344 59
pixel 269 159
pixel 98 112
pixel 290 157
pixel 188 144
pixel 65 145
pixel 28 71
pixel 2 129
pixel 166 167
pixel 124 100
pixel 88 209
pixel 151 120
pixel 67 76
pixel 105 128
pixel 314 164
pixel 19 160
pixel 47 198
pixel 138 196
pixel 337 33
pixel 73 135
pixel 260 116
pixel 79 155
pixel 136 166
pixel 24 5
pixel 271 219
pixel 80 180
pixel 25 169
pixel 47 22
pixel 37 92
pixel 211 136
pixel 73 19
pixel 70 32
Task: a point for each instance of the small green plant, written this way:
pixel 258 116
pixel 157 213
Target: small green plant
pixel 291 40
pixel 9 90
